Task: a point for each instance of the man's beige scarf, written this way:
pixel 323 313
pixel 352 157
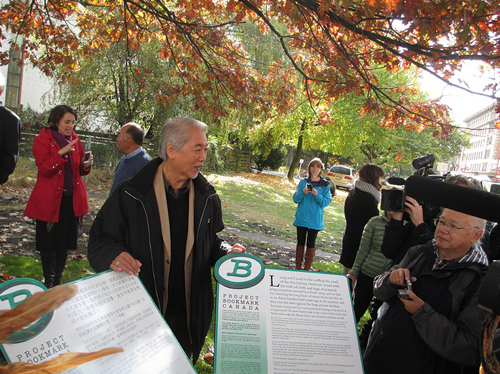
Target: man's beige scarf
pixel 161 198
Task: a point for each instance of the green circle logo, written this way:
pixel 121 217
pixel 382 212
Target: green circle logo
pixel 13 293
pixel 239 270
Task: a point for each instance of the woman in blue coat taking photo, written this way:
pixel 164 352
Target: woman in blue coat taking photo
pixel 312 196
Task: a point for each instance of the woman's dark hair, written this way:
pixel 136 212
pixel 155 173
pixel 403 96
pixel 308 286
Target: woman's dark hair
pixel 58 113
pixel 371 173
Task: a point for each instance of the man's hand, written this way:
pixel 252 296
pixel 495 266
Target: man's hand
pixel 399 277
pixel 237 248
pixel 126 263
pixel 413 305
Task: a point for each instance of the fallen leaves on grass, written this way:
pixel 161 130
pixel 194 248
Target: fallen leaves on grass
pixel 87 271
pixel 252 178
pixel 78 256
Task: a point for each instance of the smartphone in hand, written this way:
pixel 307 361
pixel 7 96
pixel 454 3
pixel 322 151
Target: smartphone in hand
pixel 87 156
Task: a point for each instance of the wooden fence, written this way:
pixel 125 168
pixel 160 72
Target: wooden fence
pixel 106 152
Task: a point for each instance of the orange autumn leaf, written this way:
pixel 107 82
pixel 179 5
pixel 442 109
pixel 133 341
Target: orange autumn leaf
pixel 59 364
pixel 33 308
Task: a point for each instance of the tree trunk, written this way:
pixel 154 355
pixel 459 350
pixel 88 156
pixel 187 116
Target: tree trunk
pixel 296 157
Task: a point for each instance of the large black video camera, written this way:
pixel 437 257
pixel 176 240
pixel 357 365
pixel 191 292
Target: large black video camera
pixel 393 199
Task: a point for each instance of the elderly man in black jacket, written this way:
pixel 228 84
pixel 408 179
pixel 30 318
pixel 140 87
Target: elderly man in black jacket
pixel 162 225
pixel 435 327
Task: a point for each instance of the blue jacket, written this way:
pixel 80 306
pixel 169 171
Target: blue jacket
pixel 311 208
pixel 128 167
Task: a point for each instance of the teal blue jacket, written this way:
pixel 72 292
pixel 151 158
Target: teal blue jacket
pixel 310 209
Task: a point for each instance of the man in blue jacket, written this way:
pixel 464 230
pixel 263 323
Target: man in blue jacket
pixel 162 225
pixel 129 141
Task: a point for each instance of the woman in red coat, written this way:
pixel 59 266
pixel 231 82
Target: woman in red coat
pixel 59 197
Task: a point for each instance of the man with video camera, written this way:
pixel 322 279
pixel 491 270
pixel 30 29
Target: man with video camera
pixel 400 234
pixel 435 325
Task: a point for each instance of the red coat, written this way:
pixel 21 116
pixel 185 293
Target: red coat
pixel 45 200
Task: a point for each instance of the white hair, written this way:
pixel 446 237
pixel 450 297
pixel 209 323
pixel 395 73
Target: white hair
pixel 478 222
pixel 174 132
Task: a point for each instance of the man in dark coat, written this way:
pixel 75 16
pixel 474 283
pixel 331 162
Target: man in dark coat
pixel 162 225
pixel 436 327
pixel 10 135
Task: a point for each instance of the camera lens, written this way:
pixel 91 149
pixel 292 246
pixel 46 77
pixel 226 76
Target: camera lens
pixel 395 200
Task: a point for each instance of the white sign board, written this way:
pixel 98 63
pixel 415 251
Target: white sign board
pixel 283 321
pixel 110 309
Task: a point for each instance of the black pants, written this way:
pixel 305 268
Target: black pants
pixel 363 294
pixel 59 237
pixel 55 239
pixel 311 236
pixel 178 324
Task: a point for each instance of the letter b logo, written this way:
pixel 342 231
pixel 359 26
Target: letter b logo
pixel 239 270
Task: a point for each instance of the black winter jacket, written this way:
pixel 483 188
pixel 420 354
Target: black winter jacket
pixel 359 207
pixel 440 337
pixel 399 237
pixel 10 135
pixel 129 221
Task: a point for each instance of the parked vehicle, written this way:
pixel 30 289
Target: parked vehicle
pixel 342 176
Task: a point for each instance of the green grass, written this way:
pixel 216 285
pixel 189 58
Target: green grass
pixel 249 200
pixel 31 267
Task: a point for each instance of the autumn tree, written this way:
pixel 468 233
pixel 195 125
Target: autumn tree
pixel 120 85
pixel 331 44
pixel 357 135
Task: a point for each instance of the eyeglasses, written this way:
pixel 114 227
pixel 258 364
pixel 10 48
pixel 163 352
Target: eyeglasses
pixel 450 226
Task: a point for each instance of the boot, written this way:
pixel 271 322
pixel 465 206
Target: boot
pixel 48 268
pixel 309 258
pixel 59 269
pixel 299 255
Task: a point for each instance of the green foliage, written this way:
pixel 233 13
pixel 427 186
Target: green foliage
pixel 31 119
pixel 214 163
pixel 272 161
pixel 263 49
pixel 360 136
pixel 120 85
